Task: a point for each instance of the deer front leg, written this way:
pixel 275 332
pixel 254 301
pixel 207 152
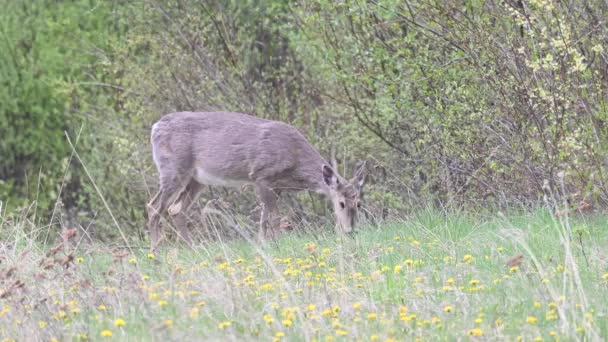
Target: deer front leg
pixel 268 200
pixel 154 216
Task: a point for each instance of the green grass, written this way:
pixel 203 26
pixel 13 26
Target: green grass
pixel 396 281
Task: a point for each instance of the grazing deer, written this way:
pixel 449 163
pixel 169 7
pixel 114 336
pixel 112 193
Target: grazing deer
pixel 232 149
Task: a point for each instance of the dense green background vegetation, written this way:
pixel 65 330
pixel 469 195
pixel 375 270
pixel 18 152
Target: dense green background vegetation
pixel 458 103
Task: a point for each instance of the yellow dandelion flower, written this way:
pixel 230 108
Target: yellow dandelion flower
pixel 162 303
pixel 474 282
pixel 538 339
pixel 326 312
pixel 194 312
pixel 374 338
pixel 476 332
pixel 356 306
pixel 224 325
pixel 450 281
pixel 341 332
pixel 513 269
pixel 151 256
pixel 397 269
pixel 42 324
pixel 500 249
pixel 311 307
pixel 478 320
pixel 168 322
pixel 119 322
pixel 287 322
pixel 448 308
pixel 79 260
pixel 468 258
pixel 372 315
pixel 551 315
pixel 101 307
pixel 268 319
pixel 267 287
pixel 106 333
pixel 531 320
pixel 408 262
pixel 201 303
pixel 132 261
pixel 537 304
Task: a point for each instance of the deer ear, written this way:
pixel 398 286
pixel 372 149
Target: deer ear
pixel 360 175
pixel 329 176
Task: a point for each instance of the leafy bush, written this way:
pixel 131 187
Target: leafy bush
pixel 462 103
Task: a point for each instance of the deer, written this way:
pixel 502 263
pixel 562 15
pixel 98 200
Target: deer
pixel 194 149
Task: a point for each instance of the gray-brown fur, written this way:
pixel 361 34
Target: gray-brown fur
pixel 222 148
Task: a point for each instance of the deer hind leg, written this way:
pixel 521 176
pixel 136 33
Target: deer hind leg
pixel 181 206
pixel 268 217
pixel 170 189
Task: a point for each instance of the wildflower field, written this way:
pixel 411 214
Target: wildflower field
pixel 529 277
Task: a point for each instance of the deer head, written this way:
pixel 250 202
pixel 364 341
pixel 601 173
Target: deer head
pixel 345 196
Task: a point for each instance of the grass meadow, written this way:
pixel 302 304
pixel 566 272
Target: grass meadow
pixel 513 277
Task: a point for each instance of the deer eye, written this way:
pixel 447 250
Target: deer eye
pixel 359 205
pixel 342 205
